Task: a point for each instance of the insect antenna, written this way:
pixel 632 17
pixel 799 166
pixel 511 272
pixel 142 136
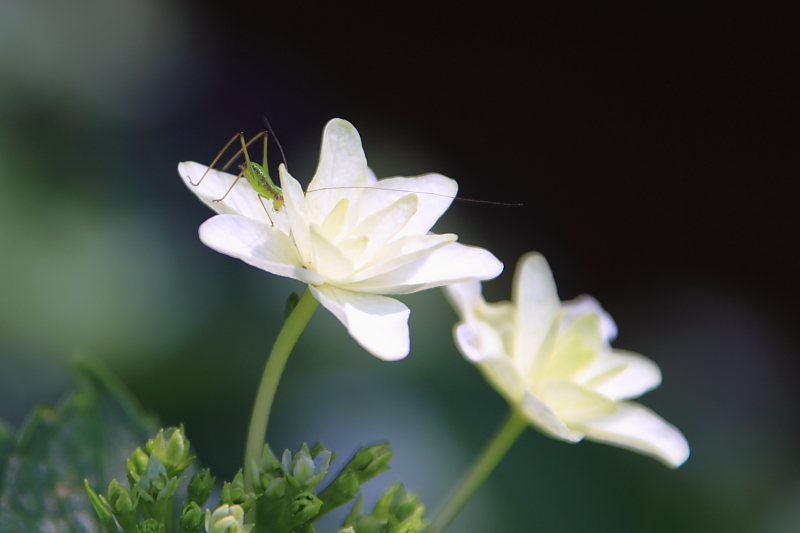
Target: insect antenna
pixel 459 198
pixel 272 132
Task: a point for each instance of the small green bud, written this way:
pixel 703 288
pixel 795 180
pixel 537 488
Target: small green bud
pixel 191 518
pixel 123 505
pixel 366 463
pixel 150 525
pixel 233 493
pixel 302 467
pixel 303 508
pixel 276 489
pixel 227 519
pixel 153 480
pixel 137 464
pixel 200 487
pixel 120 498
pixel 172 447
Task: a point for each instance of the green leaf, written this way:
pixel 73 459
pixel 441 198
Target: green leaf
pixel 89 436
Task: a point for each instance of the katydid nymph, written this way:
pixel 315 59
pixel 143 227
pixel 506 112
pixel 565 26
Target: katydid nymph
pixel 257 175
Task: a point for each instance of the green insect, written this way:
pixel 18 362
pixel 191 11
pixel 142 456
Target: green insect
pixel 257 175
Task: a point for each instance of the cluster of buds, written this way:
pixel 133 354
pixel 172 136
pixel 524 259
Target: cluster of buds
pixel 397 511
pixel 283 498
pixel 154 475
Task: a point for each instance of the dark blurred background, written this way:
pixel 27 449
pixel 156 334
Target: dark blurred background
pixel 655 150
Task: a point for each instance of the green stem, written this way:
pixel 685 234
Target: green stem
pixel 508 433
pixel 292 328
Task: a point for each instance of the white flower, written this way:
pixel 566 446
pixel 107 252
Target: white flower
pixel 351 237
pixel 553 361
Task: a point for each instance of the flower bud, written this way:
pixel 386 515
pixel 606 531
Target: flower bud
pixel 233 493
pixel 366 463
pixel 150 526
pixel 191 518
pixel 172 447
pixel 123 505
pixel 227 519
pixel 200 487
pixel 303 508
pixel 137 464
pixel 302 467
pixel 276 489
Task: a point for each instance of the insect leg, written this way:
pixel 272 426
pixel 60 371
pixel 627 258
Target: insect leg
pixel 215 160
pixel 261 198
pixel 240 176
pixel 243 149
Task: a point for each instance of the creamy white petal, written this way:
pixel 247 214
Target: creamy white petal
pixel 257 244
pixel 297 213
pixel 464 297
pixel 574 350
pixel 573 403
pixel 537 304
pixel 638 428
pixel 383 225
pixel 477 340
pixel 379 324
pixel 621 375
pixel 242 200
pixel 398 253
pixel 501 372
pixel 342 164
pixel 436 193
pixel 454 263
pixel 584 304
pixel 332 226
pixel 545 419
pixel 329 259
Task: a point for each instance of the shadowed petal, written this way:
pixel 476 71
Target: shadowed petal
pixel 379 324
pixel 454 263
pixel 638 428
pixel 256 244
pixel 621 375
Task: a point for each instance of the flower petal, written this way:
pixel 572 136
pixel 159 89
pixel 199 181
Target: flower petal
pixel 583 304
pixel 297 213
pixel 545 419
pixel 436 193
pixel 341 171
pixel 454 263
pixel 256 244
pixel 574 349
pixel 379 324
pixel 621 375
pixel 329 259
pixel 574 403
pixel 537 304
pixel 464 297
pixel 638 428
pixel 242 199
pixel 398 253
pixel 383 225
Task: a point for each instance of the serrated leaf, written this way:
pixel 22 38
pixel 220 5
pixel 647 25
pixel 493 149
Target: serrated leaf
pixel 89 436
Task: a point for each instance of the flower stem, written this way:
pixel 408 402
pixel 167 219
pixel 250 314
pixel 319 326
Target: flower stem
pixel 508 433
pixel 292 328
